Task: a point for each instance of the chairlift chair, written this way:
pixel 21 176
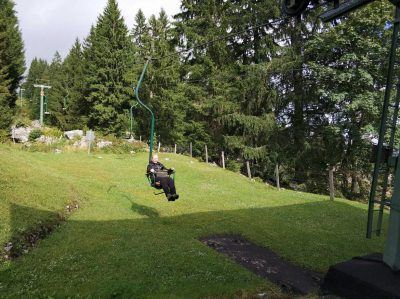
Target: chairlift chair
pixel 151 179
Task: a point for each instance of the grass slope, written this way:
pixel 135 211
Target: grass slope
pixel 126 242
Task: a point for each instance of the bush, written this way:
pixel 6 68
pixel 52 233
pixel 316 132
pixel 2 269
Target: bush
pixel 52 132
pixel 123 148
pixel 22 122
pixel 37 147
pixel 258 179
pixel 233 165
pixel 35 134
pixel 4 136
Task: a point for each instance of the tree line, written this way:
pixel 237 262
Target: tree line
pixel 235 76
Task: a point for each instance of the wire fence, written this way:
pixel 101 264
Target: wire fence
pixel 280 177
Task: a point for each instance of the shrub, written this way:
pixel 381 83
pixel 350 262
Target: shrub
pixel 22 122
pixel 258 179
pixel 52 132
pixel 124 148
pixel 4 136
pixel 233 165
pixel 35 134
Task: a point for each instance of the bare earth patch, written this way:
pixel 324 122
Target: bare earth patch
pixel 265 263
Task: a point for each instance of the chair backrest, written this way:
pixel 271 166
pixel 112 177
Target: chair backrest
pixel 162 174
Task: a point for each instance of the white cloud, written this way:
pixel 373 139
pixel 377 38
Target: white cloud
pixel 52 25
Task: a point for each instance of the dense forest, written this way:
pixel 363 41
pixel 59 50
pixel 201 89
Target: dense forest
pixel 233 75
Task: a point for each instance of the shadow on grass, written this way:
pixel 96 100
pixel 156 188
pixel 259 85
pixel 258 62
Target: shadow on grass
pixel 137 208
pixel 160 256
pixel 144 210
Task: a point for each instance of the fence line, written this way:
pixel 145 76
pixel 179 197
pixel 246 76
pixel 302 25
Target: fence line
pixel 276 176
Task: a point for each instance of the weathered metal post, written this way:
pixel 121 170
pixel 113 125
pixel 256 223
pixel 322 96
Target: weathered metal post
pixel 206 149
pixel 223 159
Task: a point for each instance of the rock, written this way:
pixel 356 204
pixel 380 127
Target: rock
pixel 36 124
pixel 81 144
pixel 46 139
pixel 8 247
pixel 57 151
pixel 103 143
pixel 72 134
pixel 20 134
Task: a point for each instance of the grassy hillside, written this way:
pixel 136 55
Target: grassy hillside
pixel 125 242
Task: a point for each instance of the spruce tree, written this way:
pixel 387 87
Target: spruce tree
pixel 13 57
pixel 205 67
pixel 5 110
pixel 55 96
pixel 108 63
pixel 162 87
pixel 38 73
pixel 11 61
pixel 141 36
pixel 75 107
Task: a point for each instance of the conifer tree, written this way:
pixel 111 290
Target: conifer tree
pixel 5 110
pixel 13 57
pixel 74 105
pixel 56 95
pixel 12 64
pixel 38 73
pixel 108 63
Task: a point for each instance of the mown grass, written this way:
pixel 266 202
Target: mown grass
pixel 126 242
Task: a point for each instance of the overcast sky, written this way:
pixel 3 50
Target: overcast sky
pixel 52 25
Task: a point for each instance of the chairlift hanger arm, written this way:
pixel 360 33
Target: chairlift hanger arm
pixel 146 107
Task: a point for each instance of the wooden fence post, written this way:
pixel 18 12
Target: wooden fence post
pixel 331 184
pixel 223 159
pixel 140 138
pixel 278 184
pixel 206 153
pixel 248 169
pixel 175 149
pixel 159 146
pixel 191 150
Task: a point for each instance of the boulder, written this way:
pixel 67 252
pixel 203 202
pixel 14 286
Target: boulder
pixel 20 134
pixel 46 140
pixel 81 144
pixel 103 143
pixel 73 134
pixel 36 124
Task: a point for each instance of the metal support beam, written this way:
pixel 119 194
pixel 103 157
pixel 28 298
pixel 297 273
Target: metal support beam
pixel 343 9
pixel 42 88
pixel 147 108
pixel 391 255
pixel 382 129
